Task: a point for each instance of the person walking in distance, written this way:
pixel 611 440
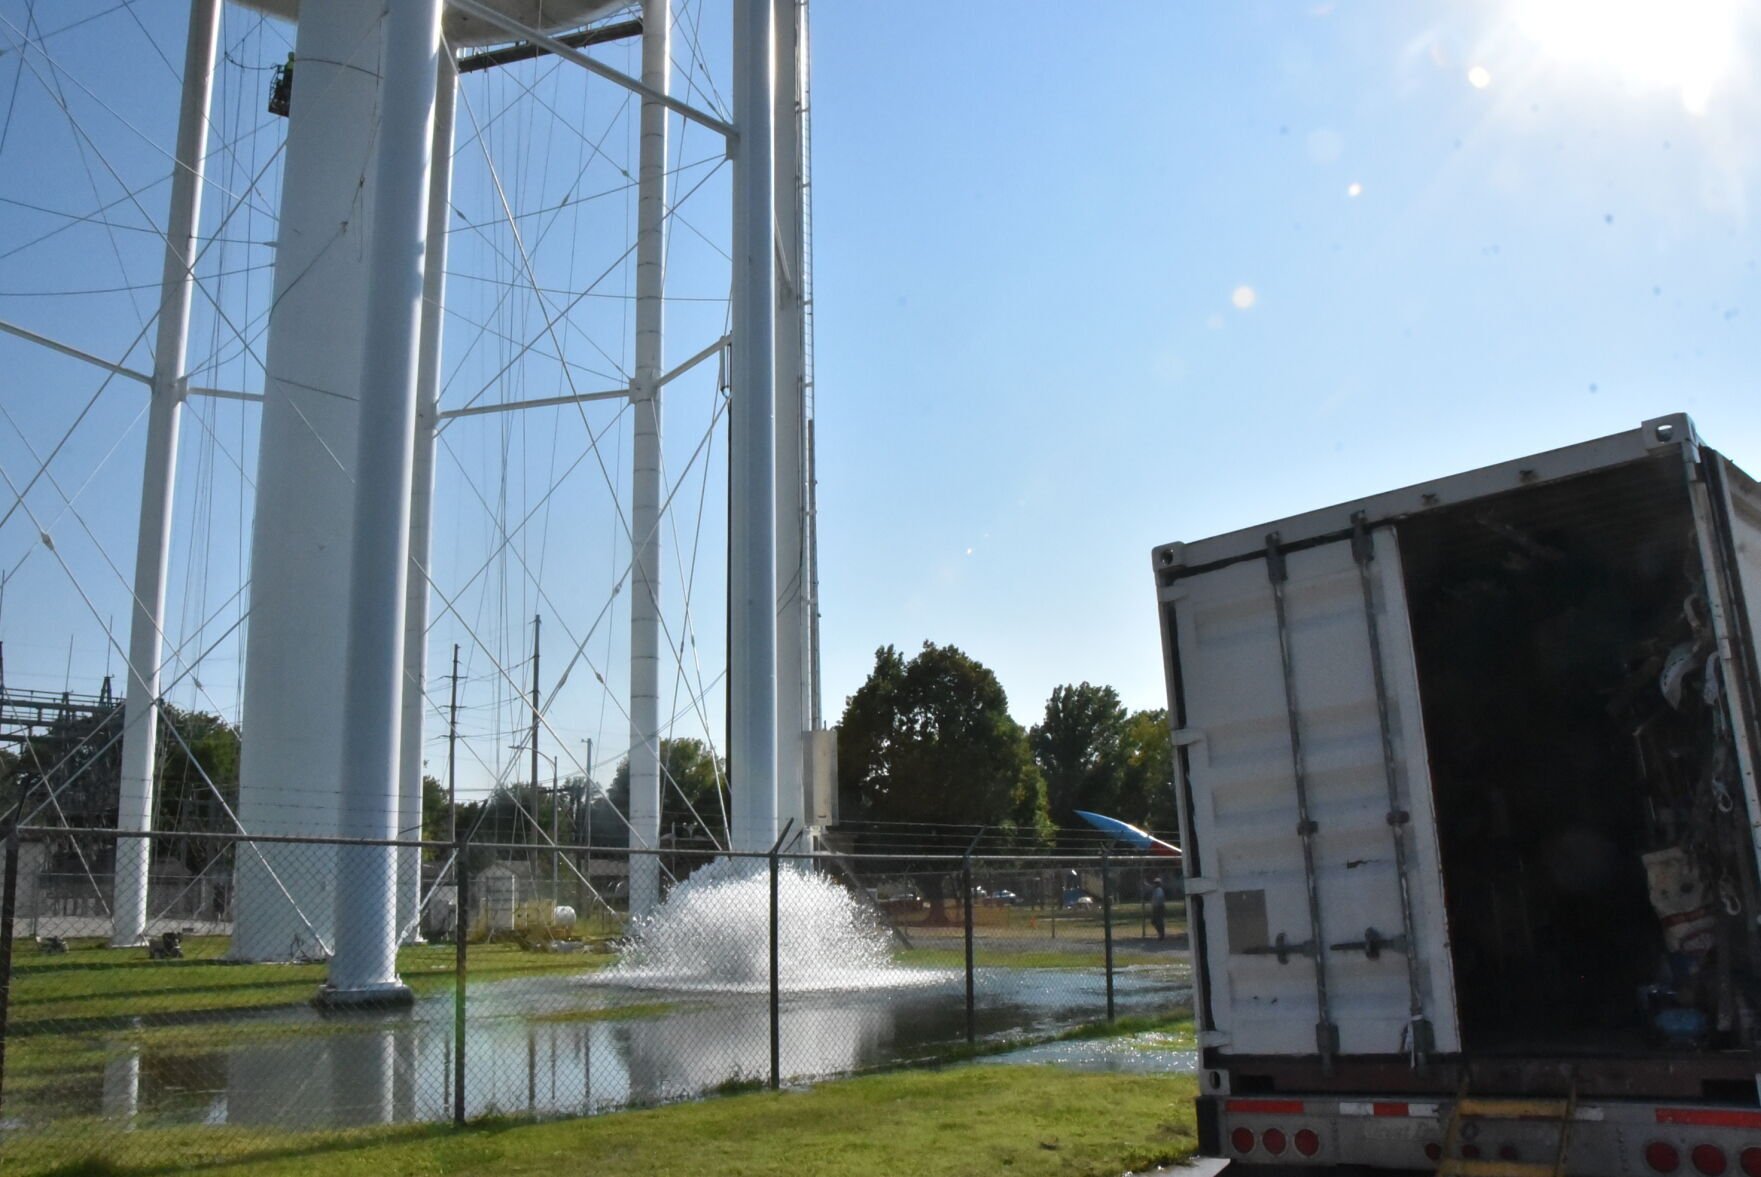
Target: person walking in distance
pixel 1158 907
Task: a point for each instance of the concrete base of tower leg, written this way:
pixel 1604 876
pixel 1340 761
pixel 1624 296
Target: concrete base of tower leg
pixel 383 996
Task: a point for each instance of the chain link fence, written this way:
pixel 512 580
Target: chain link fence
pixel 218 985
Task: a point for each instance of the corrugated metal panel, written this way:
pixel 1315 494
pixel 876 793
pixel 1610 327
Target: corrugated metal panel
pixel 1243 786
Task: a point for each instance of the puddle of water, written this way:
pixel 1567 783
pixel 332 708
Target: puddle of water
pixel 556 1046
pixel 1136 1054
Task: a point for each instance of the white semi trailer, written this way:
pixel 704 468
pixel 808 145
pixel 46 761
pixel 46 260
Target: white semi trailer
pixel 1467 777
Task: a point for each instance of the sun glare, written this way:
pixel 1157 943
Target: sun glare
pixel 1685 45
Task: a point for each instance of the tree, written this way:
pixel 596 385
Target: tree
pixel 1080 748
pixel 1149 773
pixel 196 748
pixel 436 811
pixel 693 793
pixel 931 741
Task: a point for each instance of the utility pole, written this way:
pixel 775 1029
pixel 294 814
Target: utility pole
pixel 556 803
pixel 452 753
pixel 585 859
pixel 536 622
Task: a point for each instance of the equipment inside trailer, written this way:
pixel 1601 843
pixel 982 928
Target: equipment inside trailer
pixel 1600 890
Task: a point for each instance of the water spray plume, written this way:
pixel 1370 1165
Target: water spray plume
pixel 713 933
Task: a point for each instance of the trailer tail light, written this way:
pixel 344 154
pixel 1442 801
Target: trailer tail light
pixel 1709 1159
pixel 1242 1139
pixel 1308 1143
pixel 1507 1152
pixel 1662 1157
pixel 1434 1151
pixel 1273 1139
pixel 1470 1152
pixel 1751 1162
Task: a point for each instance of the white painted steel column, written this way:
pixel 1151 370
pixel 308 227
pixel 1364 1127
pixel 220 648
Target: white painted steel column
pixel 294 659
pixel 364 968
pixel 793 715
pixel 159 477
pixel 752 583
pixel 410 745
pixel 645 480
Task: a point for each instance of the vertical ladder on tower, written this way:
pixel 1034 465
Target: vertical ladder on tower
pixel 1471 1112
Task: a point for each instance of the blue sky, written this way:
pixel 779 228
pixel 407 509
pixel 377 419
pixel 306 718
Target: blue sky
pixel 1033 218
pixel 1459 232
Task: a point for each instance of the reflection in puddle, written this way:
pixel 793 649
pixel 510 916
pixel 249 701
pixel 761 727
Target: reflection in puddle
pixel 559 1046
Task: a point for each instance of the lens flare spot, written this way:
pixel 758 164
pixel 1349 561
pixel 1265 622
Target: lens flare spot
pixel 1244 297
pixel 1354 189
pixel 1479 77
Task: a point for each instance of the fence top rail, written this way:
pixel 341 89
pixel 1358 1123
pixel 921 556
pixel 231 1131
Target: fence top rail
pixel 916 862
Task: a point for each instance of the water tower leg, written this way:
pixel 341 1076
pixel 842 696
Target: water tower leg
pixel 159 476
pixel 791 443
pixel 752 573
pixel 410 746
pixel 294 657
pixel 645 487
pixel 364 967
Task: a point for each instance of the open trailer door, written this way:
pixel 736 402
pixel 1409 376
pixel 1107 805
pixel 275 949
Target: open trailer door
pixel 1307 804
pixel 1727 520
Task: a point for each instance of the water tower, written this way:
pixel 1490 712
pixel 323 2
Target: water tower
pixel 334 659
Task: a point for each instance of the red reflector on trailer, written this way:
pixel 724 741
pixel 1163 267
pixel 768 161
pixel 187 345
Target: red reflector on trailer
pixel 1264 1107
pixel 1709 1159
pixel 1387 1109
pixel 1662 1157
pixel 1434 1151
pixel 1751 1162
pixel 1273 1139
pixel 1308 1143
pixel 1709 1117
pixel 1242 1139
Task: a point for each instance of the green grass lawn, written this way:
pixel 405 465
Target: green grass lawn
pixel 1026 1121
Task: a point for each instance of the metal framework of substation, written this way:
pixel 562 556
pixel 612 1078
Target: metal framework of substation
pixel 335 663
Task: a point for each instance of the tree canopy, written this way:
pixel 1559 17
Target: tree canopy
pixel 931 741
pixel 1080 748
pixel 1149 772
pixel 693 793
pixel 1098 757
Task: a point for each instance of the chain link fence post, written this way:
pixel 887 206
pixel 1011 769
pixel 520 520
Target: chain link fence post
pixel 462 937
pixel 1107 923
pixel 776 1036
pixel 8 911
pixel 966 908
